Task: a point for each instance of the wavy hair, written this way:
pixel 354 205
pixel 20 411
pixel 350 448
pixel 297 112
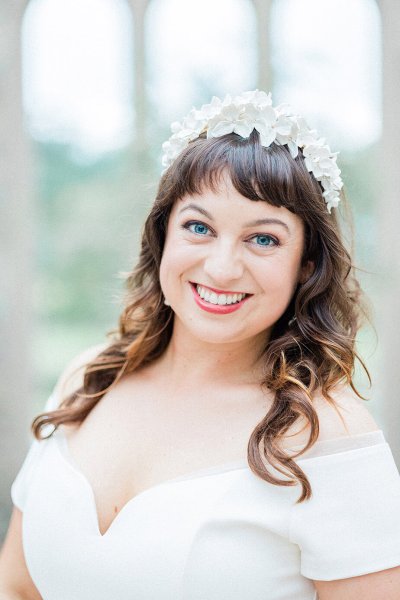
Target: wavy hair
pixel 312 352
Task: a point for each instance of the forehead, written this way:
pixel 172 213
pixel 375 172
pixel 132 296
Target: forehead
pixel 225 202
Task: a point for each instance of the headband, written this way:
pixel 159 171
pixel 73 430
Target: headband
pixel 253 110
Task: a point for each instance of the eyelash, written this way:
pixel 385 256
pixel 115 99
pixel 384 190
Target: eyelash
pixel 188 224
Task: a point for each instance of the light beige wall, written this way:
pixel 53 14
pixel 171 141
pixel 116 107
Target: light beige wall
pixel 388 232
pixel 263 11
pixel 16 234
pixel 138 8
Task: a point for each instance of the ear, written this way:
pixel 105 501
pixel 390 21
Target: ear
pixel 306 271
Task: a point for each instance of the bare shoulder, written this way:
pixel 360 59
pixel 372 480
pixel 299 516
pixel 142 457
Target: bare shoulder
pixel 71 377
pixel 350 415
pixel 347 415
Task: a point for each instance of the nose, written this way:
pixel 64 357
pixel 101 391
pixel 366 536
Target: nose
pixel 223 264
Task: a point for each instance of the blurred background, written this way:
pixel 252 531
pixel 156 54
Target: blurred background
pixel 88 89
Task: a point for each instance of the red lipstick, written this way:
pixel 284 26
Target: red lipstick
pixel 218 309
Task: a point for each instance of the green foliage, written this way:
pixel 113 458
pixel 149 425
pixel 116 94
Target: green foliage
pixel 89 217
pixel 360 176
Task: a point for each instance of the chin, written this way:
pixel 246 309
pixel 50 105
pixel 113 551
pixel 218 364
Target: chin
pixel 219 333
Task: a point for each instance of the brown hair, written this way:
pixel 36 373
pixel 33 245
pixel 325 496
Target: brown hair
pixel 314 352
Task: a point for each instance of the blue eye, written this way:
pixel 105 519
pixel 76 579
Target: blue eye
pixel 264 240
pixel 197 227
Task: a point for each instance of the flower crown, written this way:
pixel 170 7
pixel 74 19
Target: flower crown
pixel 254 110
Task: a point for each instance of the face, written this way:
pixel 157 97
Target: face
pixel 230 265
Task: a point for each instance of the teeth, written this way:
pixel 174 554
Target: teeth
pixel 213 298
pixel 220 299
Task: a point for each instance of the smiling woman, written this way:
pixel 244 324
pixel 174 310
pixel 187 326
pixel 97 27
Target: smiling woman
pixel 217 447
pixel 244 256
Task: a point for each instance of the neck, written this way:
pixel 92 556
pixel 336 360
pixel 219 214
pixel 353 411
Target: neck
pixel 195 361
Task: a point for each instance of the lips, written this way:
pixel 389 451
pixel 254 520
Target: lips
pixel 219 308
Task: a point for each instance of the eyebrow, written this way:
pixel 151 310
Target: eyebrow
pixel 266 221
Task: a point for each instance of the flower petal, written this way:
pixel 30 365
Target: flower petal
pixel 243 128
pixel 221 128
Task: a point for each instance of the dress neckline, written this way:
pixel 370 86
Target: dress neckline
pixel 361 440
pixel 61 444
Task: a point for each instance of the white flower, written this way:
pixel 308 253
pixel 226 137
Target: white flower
pixel 208 111
pixel 229 120
pixel 262 119
pixel 286 130
pixel 257 97
pixel 254 110
pixel 331 198
pixel 176 127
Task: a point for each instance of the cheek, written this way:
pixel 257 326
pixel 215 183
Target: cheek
pixel 166 265
pixel 174 263
pixel 279 279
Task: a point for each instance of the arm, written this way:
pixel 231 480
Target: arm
pixel 15 581
pixel 378 585
pixel 383 585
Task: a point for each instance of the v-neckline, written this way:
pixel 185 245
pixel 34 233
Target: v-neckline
pixel 62 447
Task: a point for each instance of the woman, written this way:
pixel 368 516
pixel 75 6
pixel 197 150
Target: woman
pixel 216 447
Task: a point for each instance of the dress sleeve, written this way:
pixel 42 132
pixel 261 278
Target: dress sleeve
pixel 20 486
pixel 351 524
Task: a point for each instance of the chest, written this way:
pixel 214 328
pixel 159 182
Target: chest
pixel 130 443
pixel 223 535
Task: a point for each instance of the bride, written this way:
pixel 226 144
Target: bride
pixel 216 446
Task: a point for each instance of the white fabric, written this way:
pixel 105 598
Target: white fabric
pixel 217 534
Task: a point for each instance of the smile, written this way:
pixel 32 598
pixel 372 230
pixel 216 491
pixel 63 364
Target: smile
pixel 218 301
pixel 222 298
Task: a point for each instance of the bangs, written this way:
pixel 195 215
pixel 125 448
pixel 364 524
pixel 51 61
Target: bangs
pixel 269 174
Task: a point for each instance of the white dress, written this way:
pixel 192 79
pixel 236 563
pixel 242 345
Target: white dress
pixel 217 534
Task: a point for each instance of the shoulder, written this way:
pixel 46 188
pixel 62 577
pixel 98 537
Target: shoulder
pixel 71 377
pixel 348 415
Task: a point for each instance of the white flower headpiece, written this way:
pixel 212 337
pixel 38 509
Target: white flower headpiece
pixel 254 110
